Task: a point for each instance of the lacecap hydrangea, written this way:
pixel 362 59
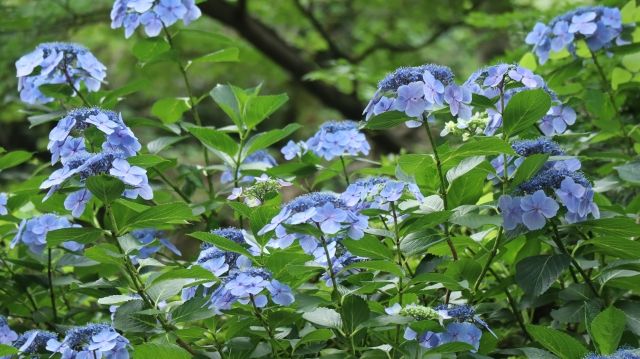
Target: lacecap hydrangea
pixel 57 63
pixel 152 15
pixel 264 188
pixel 70 143
pixel 339 256
pixel 460 324
pixel 7 336
pixel 558 182
pixel 34 342
pixel 622 353
pixel 33 232
pixel 322 209
pixel 257 161
pixel 333 139
pixel 418 91
pixel 379 193
pixel 599 26
pixel 511 79
pixel 91 341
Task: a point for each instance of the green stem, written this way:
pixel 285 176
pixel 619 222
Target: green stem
pixel 609 90
pixel 267 327
pixel 332 275
pixel 558 241
pixel 26 289
pixel 396 238
pixel 512 304
pixel 73 87
pixel 52 294
pixel 194 110
pixel 139 286
pixel 344 170
pixel 236 171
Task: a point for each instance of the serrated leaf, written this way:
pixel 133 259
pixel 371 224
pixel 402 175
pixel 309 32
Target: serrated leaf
pixel 221 242
pixel 607 328
pixel 524 109
pixel 230 54
pixel 162 214
pixel 159 351
pixel 324 317
pixel 536 274
pixel 266 139
pixel 387 120
pixel 529 167
pixel 557 342
pixel 82 235
pixel 105 188
pixel 170 109
pixel 258 108
pixel 215 140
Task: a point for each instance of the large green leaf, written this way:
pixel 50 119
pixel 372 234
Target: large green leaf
pixel 630 172
pixel 614 226
pixel 266 139
pixel 159 351
pixel 354 311
pixel 617 247
pixel 557 342
pixel 162 214
pixel 607 328
pixel 524 110
pixel 529 167
pixel 368 247
pixel 324 317
pixel 105 188
pixel 387 120
pixel 148 49
pixel 81 235
pixel 258 108
pixel 536 274
pixel 7 350
pixel 221 242
pixel 230 54
pixel 378 265
pixel 170 109
pixel 13 159
pixel 215 139
pixel 480 146
pixel 224 96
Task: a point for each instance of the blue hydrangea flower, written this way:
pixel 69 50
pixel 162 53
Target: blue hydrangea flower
pixel 34 342
pixel 601 27
pixel 293 149
pixel 119 143
pixel 3 204
pixel 557 120
pixel 578 200
pixel 33 233
pixel 378 192
pixel 339 256
pixel 153 15
pixel 622 353
pixel 91 341
pixel 337 138
pixel 315 208
pixel 511 211
pixel 417 91
pixel 147 236
pixel 536 209
pixel 57 63
pixel 459 100
pixel 259 160
pixel 7 336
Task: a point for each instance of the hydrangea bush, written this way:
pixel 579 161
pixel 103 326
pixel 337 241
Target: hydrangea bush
pixel 513 234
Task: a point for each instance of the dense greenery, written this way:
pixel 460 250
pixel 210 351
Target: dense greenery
pixel 163 197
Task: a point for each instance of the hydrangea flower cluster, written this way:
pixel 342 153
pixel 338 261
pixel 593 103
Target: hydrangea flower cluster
pixel 325 210
pixel 77 160
pixel 91 341
pixel 34 342
pixel 378 192
pixel 147 236
pixel 466 128
pixel 3 204
pixel 420 89
pixel 259 160
pixel 153 15
pixel 460 326
pixel 33 233
pixel 7 336
pixel 622 353
pixel 560 178
pixel 263 189
pixel 334 139
pixel 57 63
pixel 599 26
pixel 490 80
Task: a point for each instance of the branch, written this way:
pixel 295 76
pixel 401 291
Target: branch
pixel 308 13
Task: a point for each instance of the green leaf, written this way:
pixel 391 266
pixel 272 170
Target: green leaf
pixel 170 109
pixel 82 235
pixel 13 159
pixel 630 172
pixel 215 140
pixel 524 110
pixel 196 308
pixel 324 317
pixel 105 253
pixel 354 311
pixel 536 274
pixel 266 139
pixel 480 146
pixel 377 265
pixel 258 108
pixel 162 214
pixel 464 167
pixel 105 188
pixel 230 54
pixel 451 347
pixel 318 335
pixel 159 351
pixel 467 189
pixel 617 247
pixel 615 226
pixel 557 342
pixel 224 96
pixel 193 272
pixel 387 120
pixel 163 290
pixel 148 49
pixel 115 299
pixel 529 167
pixel 620 76
pixel 163 142
pixel 7 350
pixel 368 247
pixel 221 242
pixel 607 328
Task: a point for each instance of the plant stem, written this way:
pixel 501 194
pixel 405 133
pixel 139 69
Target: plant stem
pixel 609 90
pixel 332 275
pixel 73 87
pixel 139 286
pixel 52 294
pixel 344 170
pixel 396 238
pixel 236 170
pixel 194 110
pixel 512 304
pixel 26 289
pixel 576 265
pixel 487 264
pixel 265 324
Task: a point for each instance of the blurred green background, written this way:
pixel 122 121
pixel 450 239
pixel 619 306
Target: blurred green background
pixel 327 55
